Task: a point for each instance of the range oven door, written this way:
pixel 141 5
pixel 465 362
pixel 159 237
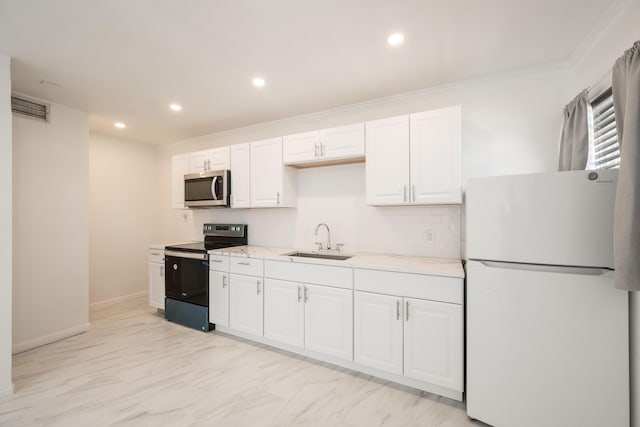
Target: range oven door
pixel 187 277
pixel 205 189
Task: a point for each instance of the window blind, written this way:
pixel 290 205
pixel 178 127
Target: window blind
pixel 605 135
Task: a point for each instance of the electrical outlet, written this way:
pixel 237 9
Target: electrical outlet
pixel 429 235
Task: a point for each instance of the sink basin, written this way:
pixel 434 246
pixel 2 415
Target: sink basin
pixel 318 255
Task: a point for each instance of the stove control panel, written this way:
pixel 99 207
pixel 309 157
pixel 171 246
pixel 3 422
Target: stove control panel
pixel 232 230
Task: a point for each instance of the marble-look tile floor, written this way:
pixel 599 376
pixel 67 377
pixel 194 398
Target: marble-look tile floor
pixel 133 368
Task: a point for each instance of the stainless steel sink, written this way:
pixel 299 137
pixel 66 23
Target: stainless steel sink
pixel 318 255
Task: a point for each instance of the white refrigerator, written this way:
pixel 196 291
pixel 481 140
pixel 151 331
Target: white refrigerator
pixel 547 336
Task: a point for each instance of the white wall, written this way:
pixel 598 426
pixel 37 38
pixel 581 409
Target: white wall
pixel 595 62
pixel 123 188
pixel 51 227
pixel 510 124
pixel 6 266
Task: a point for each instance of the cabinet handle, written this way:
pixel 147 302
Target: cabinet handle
pixel 322 150
pixel 224 281
pixel 407 310
pixel 315 154
pixel 299 297
pixel 404 192
pixel 216 260
pixel 155 253
pixel 244 263
pixel 258 286
pixel 162 271
pixel 413 193
pixel 398 310
pixel 278 198
pixel 306 297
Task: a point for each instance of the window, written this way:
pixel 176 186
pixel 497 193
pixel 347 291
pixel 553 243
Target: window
pixel 604 150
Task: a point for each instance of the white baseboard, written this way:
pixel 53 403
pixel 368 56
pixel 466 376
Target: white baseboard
pixel 49 338
pixel 7 392
pixel 118 299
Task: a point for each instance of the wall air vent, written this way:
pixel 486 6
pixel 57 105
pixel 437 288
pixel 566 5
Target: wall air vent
pixel 30 109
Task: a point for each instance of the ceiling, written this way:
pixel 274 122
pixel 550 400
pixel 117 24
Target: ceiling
pixel 124 60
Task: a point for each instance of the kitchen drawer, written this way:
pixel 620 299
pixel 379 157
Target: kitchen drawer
pixel 422 286
pixel 246 266
pixel 219 262
pixel 317 274
pixel 156 255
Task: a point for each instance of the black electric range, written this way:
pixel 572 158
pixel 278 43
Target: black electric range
pixel 187 274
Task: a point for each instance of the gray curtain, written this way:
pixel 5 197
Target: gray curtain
pixel 626 103
pixel 574 142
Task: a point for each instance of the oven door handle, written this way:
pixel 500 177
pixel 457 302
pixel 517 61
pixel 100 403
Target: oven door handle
pixel 191 255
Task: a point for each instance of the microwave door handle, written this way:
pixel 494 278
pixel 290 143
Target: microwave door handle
pixel 213 188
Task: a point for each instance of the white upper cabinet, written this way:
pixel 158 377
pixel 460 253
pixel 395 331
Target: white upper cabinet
pixel 272 183
pixel 240 176
pixel 387 166
pixel 179 167
pixel 435 156
pixel 209 160
pixel 415 159
pixel 301 147
pixel 344 144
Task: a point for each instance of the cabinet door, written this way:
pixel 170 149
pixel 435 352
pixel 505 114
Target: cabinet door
pixel 328 326
pixel 198 161
pixel 245 304
pixel 179 168
pixel 266 173
pixel 219 159
pixel 156 285
pixel 301 147
pixel 342 142
pixel 284 312
pixel 433 339
pixel 435 156
pixel 377 325
pixel 219 298
pixel 240 176
pixel 387 164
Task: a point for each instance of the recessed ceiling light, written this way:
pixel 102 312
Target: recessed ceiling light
pixel 395 39
pixel 258 82
pixel 176 107
pixel 120 125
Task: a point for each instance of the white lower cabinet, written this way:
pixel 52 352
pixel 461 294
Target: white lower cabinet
pixel 318 318
pixel 328 321
pixel 433 341
pixel 219 298
pixel 246 304
pixel 284 312
pixel 419 339
pixel 378 331
pixel 156 278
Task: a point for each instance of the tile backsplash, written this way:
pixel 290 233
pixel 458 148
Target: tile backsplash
pixel 335 195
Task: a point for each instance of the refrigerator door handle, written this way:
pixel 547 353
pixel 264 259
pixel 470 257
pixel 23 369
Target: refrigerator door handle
pixel 592 271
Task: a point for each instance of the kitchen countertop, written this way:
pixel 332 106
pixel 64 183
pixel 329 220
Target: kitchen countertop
pixel 448 267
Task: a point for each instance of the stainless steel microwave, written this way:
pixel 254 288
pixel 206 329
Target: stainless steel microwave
pixel 207 189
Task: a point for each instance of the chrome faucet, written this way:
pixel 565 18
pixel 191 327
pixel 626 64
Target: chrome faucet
pixel 328 237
